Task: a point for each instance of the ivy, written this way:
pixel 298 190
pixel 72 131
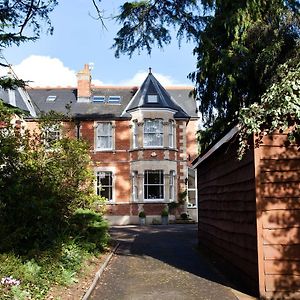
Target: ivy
pixel 279 109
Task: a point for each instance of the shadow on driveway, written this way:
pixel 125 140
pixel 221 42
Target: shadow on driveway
pixel 175 245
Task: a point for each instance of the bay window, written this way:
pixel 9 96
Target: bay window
pixel 153 133
pixel 134 135
pixel 154 185
pixel 172 186
pixel 171 134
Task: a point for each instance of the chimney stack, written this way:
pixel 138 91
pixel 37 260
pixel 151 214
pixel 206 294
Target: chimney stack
pixel 84 84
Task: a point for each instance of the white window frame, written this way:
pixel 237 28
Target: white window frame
pixel 171 134
pixel 134 135
pixel 146 185
pixel 153 133
pixel 111 185
pixel 189 204
pixel 134 186
pixel 52 134
pixel 172 186
pixel 98 136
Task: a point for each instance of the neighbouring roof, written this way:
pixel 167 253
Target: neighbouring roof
pixel 104 110
pixel 21 99
pixel 152 94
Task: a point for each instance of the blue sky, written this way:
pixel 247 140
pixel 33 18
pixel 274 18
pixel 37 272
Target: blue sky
pixel 79 39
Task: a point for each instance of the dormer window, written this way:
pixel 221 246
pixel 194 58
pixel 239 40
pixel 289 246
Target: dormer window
pixel 114 99
pixel 99 99
pixel 51 98
pixel 152 99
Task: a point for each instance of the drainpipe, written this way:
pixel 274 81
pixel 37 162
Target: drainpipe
pixel 77 123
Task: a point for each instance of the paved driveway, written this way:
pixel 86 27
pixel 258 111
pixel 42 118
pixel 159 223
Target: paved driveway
pixel 159 262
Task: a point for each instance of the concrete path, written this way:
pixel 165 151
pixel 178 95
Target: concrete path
pixel 159 262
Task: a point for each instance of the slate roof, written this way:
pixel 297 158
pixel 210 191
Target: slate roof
pixel 151 86
pixel 20 101
pixel 103 111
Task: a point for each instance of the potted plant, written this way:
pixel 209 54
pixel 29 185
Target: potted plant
pixel 142 217
pixel 165 217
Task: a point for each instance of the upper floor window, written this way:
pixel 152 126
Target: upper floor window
pixel 171 134
pixel 135 135
pixel 104 136
pixel 153 133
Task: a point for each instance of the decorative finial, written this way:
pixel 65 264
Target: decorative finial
pixel 150 70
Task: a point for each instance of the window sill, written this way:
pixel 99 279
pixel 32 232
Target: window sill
pixel 104 150
pixel 153 148
pixel 155 201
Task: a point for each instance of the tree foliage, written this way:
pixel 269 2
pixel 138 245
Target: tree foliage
pixel 20 21
pixel 239 46
pixel 41 185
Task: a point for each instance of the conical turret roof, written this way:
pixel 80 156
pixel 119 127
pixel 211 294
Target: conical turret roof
pixel 153 95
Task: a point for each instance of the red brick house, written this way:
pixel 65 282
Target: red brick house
pixel 142 141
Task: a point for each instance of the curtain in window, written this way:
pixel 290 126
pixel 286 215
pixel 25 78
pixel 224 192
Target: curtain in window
pixel 104 136
pixel 153 133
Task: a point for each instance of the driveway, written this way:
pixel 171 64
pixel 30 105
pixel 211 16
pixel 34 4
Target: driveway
pixel 159 262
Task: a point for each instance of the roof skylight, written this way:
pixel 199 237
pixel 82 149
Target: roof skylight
pixel 99 99
pixel 114 99
pixel 51 98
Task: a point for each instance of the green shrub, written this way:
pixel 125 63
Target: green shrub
pixel 142 214
pixel 165 213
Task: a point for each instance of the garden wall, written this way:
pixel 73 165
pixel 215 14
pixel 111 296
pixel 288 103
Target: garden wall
pixel 227 211
pixel 278 217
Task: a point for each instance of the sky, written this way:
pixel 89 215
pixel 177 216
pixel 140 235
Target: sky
pixel 55 59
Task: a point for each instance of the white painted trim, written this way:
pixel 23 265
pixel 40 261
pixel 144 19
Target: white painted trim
pixel 151 109
pixel 26 98
pixel 222 141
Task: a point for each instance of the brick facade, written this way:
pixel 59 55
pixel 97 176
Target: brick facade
pixel 114 120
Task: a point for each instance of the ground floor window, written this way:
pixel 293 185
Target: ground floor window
pixel 105 184
pixel 154 184
pixel 191 189
pixel 172 186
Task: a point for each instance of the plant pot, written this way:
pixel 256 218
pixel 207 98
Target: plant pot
pixel 164 220
pixel 142 221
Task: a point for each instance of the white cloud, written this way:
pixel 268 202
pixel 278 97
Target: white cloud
pixel 47 71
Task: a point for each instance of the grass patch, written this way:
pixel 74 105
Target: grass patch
pixel 38 270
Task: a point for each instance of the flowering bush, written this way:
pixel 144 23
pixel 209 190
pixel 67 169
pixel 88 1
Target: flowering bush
pixel 10 281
